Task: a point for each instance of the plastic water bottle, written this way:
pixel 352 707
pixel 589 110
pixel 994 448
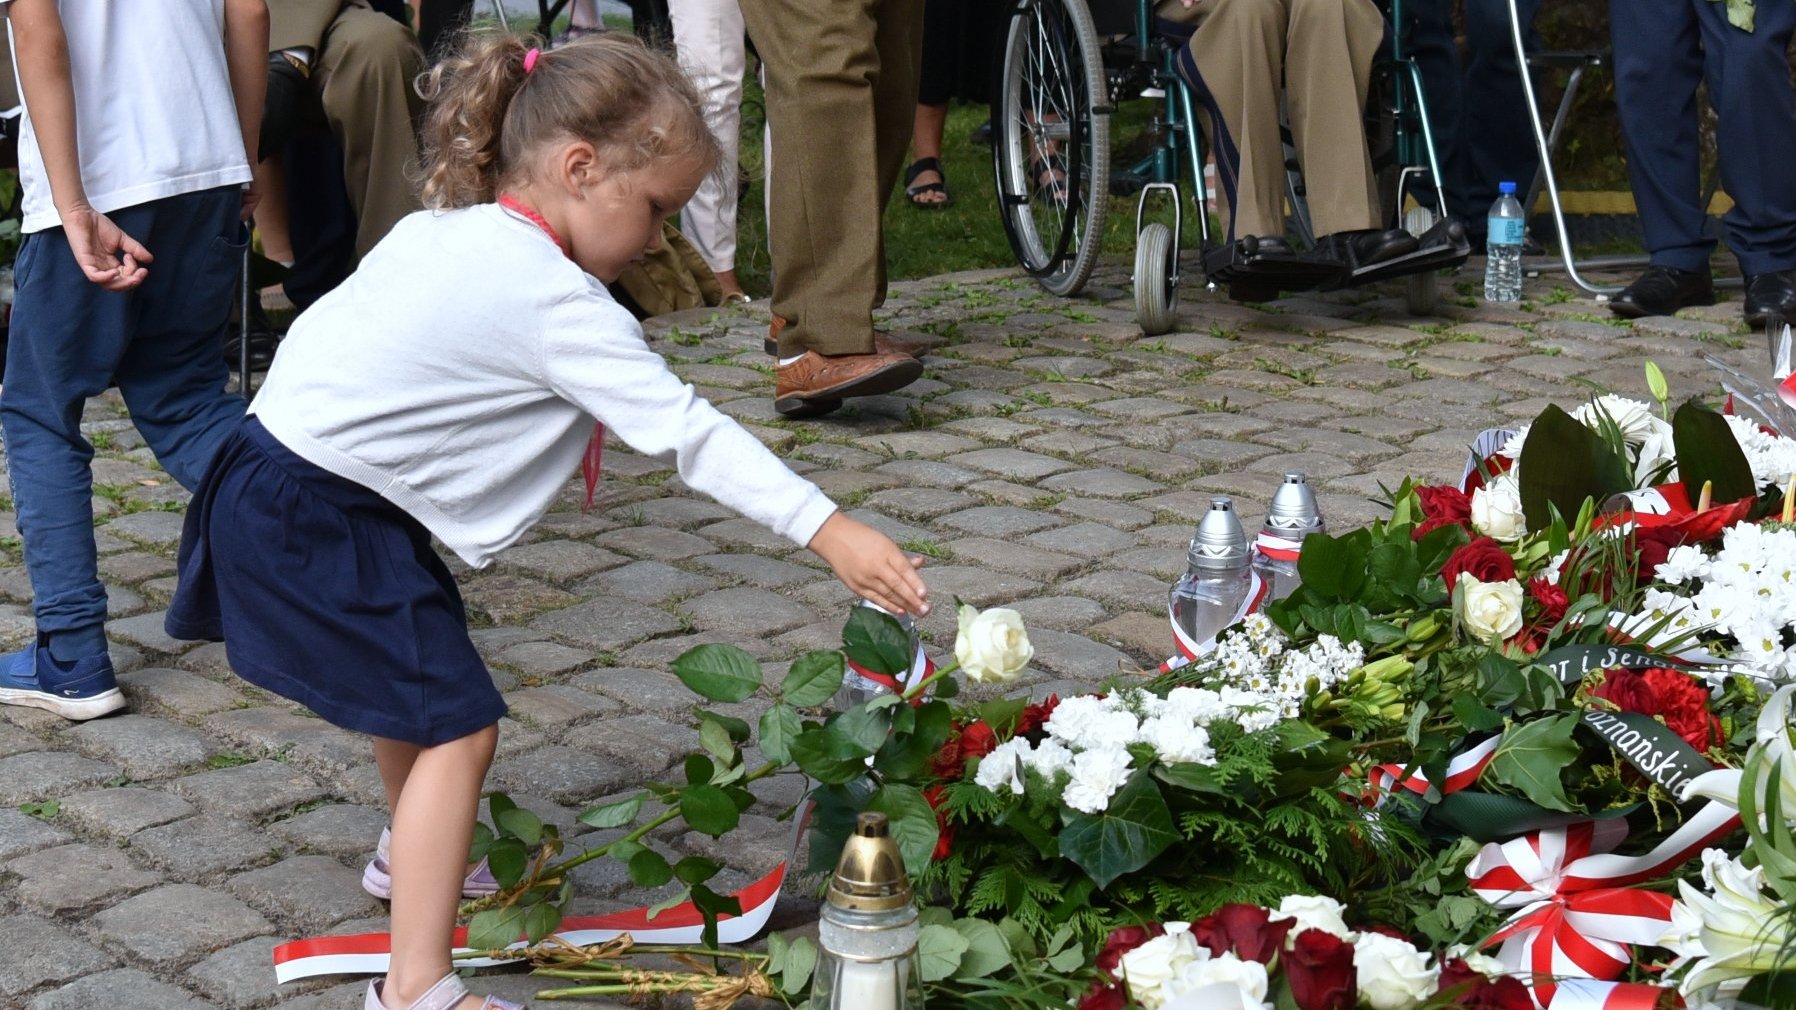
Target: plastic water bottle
pixel 1292 516
pixel 1503 248
pixel 1218 575
pixel 857 687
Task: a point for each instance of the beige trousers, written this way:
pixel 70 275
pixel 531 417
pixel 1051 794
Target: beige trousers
pixel 1318 54
pixel 363 75
pixel 841 83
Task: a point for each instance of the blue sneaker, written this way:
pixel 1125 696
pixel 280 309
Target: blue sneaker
pixel 84 689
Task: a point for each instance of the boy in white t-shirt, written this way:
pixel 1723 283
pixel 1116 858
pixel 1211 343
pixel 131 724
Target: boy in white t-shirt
pixel 133 161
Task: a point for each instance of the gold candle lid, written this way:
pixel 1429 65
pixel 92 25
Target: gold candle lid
pixel 870 875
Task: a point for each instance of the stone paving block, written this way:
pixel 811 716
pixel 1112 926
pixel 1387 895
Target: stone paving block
pixel 683 513
pixel 209 659
pixel 643 690
pixel 557 706
pixel 1064 365
pixel 124 811
pixel 1144 636
pixel 1063 613
pixel 17 740
pixel 120 989
pixel 1083 540
pixel 746 611
pixel 656 544
pixel 1144 409
pixel 1077 394
pixel 900 532
pixel 158 529
pixel 40 951
pixel 565 774
pixel 976 586
pixel 990 429
pixel 930 473
pixel 502 598
pixel 344 830
pixel 542 659
pixel 1068 443
pixel 1012 464
pixel 145 631
pixel 1157 465
pixel 920 502
pixel 745 534
pixel 572 522
pixel 841 485
pixel 916 444
pixel 999 521
pixel 144 746
pixel 645 744
pixel 197 847
pixel 69 877
pixel 239 975
pixel 252 790
pixel 21 833
pixel 834 454
pixel 135 566
pixel 312 892
pixel 299 737
pixel 1125 590
pixel 647 582
pixel 1009 556
pixel 1110 513
pixel 179 921
pixel 754 569
pixel 43 774
pixel 607 624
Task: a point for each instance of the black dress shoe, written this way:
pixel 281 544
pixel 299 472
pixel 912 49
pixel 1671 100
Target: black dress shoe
pixel 1661 291
pixel 1768 293
pixel 1365 247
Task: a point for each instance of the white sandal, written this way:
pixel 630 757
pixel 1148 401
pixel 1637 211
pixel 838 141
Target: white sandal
pixel 448 991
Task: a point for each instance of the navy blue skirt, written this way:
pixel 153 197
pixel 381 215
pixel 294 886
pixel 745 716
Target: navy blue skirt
pixel 326 593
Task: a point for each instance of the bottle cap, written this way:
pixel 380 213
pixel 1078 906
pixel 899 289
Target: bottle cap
pixel 1506 188
pixel 1219 543
pixel 1293 512
pixel 870 875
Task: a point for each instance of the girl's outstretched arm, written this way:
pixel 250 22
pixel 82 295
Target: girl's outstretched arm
pixel 869 563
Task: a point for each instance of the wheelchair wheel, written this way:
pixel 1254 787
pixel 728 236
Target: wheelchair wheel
pixel 1051 141
pixel 1421 292
pixel 1156 293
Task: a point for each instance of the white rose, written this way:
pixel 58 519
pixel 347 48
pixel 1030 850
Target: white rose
pixel 1393 975
pixel 1224 982
pixel 1312 911
pixel 1483 964
pixel 1491 611
pixel 1149 966
pixel 1497 510
pixel 992 646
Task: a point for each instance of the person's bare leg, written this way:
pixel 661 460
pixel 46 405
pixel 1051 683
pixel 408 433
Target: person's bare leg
pixel 271 213
pixel 726 279
pixel 926 142
pixel 433 825
pixel 394 758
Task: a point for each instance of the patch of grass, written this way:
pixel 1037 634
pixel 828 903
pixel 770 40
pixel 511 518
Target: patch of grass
pixel 1036 396
pixel 1307 376
pixel 1559 296
pixel 1015 340
pixel 45 811
pixel 101 441
pixel 229 759
pixel 685 339
pixel 1047 501
pixel 927 548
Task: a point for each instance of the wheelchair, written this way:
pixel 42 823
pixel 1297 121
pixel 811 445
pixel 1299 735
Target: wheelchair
pixel 1064 68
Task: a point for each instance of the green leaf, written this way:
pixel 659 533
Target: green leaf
pixel 813 679
pixel 905 755
pixel 1562 464
pixel 876 642
pixel 1065 954
pixel 649 868
pixel 708 809
pixel 827 757
pixel 1124 838
pixel 1334 568
pixel 801 960
pixel 1531 755
pixel 736 728
pixel 711 905
pixel 483 840
pixel 1708 451
pixel 912 820
pixel 507 858
pixel 716 741
pixel 525 825
pixel 613 815
pixel 695 870
pixel 861 729
pixel 495 928
pixel 1472 714
pixel 497 804
pixel 939 949
pixel 986 951
pixel 718 672
pixel 540 921
pixel 779 725
pixel 699 769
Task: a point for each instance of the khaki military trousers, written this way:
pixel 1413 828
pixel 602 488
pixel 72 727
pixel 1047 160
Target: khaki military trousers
pixel 1318 55
pixel 841 85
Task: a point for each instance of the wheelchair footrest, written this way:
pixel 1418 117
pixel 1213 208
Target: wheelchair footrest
pixel 1439 248
pixel 1243 263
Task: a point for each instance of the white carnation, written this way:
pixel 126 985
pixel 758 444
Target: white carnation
pixel 1003 767
pixel 1096 776
pixel 1177 741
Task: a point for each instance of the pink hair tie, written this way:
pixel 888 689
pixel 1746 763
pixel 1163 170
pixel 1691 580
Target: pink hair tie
pixel 530 59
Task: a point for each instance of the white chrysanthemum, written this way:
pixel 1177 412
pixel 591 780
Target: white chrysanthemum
pixel 1003 767
pixel 1772 457
pixel 1096 776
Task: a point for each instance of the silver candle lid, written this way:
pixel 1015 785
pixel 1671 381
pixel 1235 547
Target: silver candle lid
pixel 1219 542
pixel 1293 512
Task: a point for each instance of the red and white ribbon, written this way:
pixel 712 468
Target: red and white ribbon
pixel 1276 547
pixel 1591 994
pixel 1462 771
pixel 367 953
pixel 1189 648
pixel 1488 444
pixel 1576 912
pixel 921 669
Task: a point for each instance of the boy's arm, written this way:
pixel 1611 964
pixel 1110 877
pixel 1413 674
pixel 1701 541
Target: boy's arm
pixel 42 51
pixel 246 55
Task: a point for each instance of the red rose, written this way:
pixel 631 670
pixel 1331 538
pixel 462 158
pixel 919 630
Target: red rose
pixel 944 838
pixel 1552 599
pixel 1488 468
pixel 1319 967
pixel 1122 940
pixel 1034 717
pixel 1104 997
pixel 973 741
pixel 978 740
pixel 1248 930
pixel 1484 559
pixel 1471 989
pixel 1457 977
pixel 1442 506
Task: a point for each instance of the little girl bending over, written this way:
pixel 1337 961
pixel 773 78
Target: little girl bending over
pixel 449 388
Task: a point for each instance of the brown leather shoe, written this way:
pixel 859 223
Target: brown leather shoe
pixel 816 384
pixel 914 344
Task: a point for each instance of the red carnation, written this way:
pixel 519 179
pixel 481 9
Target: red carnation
pixel 1442 506
pixel 1248 930
pixel 1319 967
pixel 1552 599
pixel 1484 559
pixel 1104 997
pixel 944 838
pixel 1669 694
pixel 976 740
pixel 1035 717
pixel 1122 940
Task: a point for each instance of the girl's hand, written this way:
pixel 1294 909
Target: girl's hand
pixel 870 564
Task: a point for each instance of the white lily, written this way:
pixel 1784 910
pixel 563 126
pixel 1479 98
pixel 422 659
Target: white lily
pixel 1736 939
pixel 1773 749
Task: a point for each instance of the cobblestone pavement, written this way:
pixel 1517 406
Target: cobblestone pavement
pixel 1052 459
